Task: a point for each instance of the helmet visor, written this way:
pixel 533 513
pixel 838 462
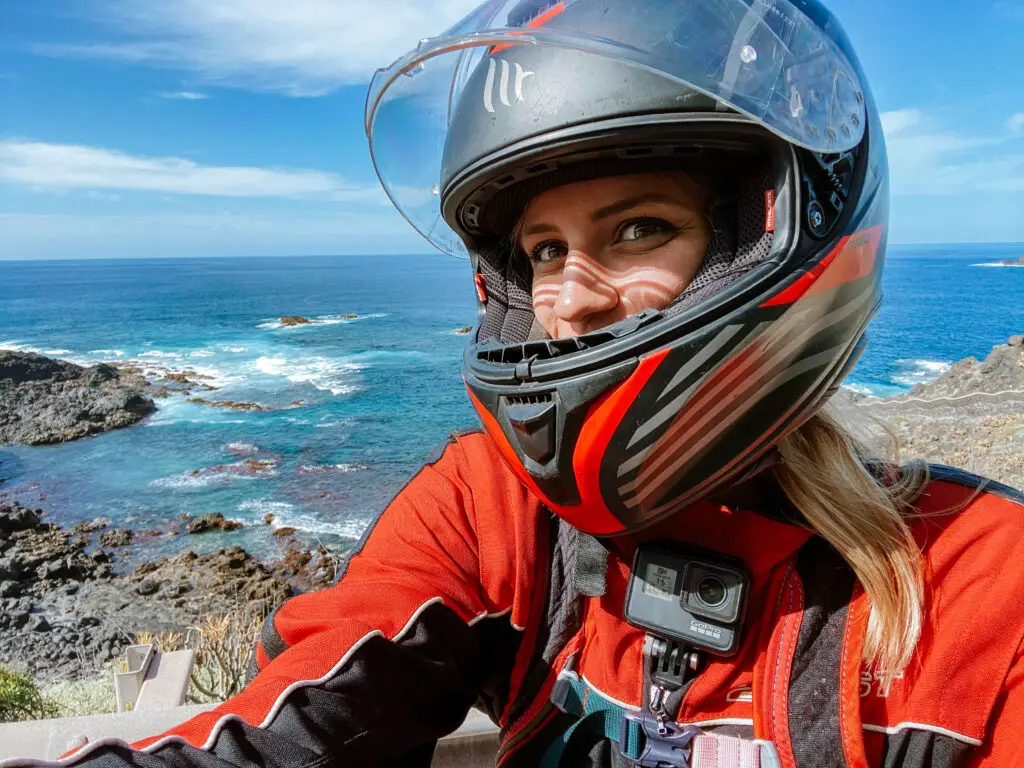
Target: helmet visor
pixel 762 58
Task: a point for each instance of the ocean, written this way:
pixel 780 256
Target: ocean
pixel 356 406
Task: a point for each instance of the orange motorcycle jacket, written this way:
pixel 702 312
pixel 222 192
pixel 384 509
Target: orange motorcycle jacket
pixel 468 592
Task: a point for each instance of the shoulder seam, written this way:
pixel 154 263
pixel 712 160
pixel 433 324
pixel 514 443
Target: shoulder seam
pixel 947 474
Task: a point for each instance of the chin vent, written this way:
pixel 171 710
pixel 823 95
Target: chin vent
pixel 533 421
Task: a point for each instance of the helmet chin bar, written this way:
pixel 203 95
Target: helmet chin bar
pixel 542 424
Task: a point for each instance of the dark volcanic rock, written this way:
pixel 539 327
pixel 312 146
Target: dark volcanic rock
pixel 61 599
pixel 121 537
pixel 230 404
pixel 289 321
pixel 211 522
pixel 51 401
pixel 91 526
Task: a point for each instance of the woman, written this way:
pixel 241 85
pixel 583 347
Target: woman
pixel 664 549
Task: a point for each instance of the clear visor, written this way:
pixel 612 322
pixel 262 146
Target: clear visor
pixel 763 58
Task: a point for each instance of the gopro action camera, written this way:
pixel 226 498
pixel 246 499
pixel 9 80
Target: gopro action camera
pixel 697 598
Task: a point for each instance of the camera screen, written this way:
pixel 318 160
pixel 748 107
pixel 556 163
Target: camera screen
pixel 660 581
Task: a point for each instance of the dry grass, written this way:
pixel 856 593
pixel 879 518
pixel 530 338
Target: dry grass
pixel 224 648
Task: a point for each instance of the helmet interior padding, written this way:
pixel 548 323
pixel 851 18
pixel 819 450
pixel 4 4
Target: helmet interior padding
pixel 740 240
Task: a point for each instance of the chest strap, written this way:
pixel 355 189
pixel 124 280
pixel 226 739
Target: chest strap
pixel 642 740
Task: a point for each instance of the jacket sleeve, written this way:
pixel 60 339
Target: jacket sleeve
pixel 372 671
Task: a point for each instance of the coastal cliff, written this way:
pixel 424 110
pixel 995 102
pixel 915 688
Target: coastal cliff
pixel 971 417
pixel 45 401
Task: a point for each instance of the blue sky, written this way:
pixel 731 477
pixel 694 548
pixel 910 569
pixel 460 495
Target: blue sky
pixel 234 127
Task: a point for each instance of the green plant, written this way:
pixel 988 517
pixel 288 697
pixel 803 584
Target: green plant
pixel 90 696
pixel 20 699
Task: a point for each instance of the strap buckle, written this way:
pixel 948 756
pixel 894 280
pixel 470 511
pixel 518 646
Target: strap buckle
pixel 648 743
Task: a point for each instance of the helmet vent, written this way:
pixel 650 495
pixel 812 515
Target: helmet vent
pixel 542 168
pixel 537 399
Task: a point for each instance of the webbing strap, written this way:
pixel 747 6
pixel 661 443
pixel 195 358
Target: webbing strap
pixel 598 717
pixel 602 718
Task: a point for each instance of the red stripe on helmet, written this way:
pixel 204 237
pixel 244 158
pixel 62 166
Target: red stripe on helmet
pixel 540 21
pixel 598 519
pixel 591 515
pixel 853 258
pixel 602 420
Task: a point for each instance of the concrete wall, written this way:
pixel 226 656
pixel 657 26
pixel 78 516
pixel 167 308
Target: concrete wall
pixel 472 746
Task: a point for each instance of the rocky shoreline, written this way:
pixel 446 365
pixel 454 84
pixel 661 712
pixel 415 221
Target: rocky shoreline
pixel 70 600
pixel 971 417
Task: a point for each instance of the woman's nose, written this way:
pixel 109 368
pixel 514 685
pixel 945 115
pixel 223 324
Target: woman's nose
pixel 585 290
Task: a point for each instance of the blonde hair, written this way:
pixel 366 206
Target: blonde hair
pixel 824 473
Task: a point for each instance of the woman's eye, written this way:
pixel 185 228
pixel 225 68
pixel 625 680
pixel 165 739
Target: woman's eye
pixel 547 251
pixel 639 229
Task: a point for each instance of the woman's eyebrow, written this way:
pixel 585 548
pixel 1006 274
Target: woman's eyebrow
pixel 633 202
pixel 611 210
pixel 536 229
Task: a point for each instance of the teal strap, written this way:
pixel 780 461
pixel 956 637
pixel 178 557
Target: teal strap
pixel 598 717
pixel 605 722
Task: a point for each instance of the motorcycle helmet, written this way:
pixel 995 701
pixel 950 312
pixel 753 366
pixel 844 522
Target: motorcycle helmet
pixel 618 428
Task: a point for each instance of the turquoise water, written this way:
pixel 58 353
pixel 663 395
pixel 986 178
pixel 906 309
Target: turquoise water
pixel 376 395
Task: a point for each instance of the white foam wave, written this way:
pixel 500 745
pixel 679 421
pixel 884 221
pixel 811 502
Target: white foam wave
pixel 275 324
pixel 319 372
pixel 235 350
pixel 13 345
pixel 860 389
pixel 223 473
pixel 920 371
pixel 312 469
pixel 156 353
pixel 106 352
pixel 201 353
pixel 996 264
pixel 266 507
pixel 242 448
pixel 215 377
pixel 346 319
pixel 351 529
pixel 58 352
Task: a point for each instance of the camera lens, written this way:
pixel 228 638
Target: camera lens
pixel 711 591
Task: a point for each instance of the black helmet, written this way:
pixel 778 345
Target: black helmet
pixel 617 428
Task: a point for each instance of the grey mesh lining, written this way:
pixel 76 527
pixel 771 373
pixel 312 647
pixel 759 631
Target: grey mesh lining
pixel 738 243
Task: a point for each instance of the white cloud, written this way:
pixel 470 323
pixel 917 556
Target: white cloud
pixel 32 236
pixel 61 167
pixel 184 95
pixel 1015 124
pixel 301 47
pixel 900 120
pixel 926 159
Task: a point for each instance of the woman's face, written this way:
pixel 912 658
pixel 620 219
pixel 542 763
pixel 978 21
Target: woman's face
pixel 605 249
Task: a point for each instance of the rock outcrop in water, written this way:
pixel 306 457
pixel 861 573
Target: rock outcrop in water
pixel 46 401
